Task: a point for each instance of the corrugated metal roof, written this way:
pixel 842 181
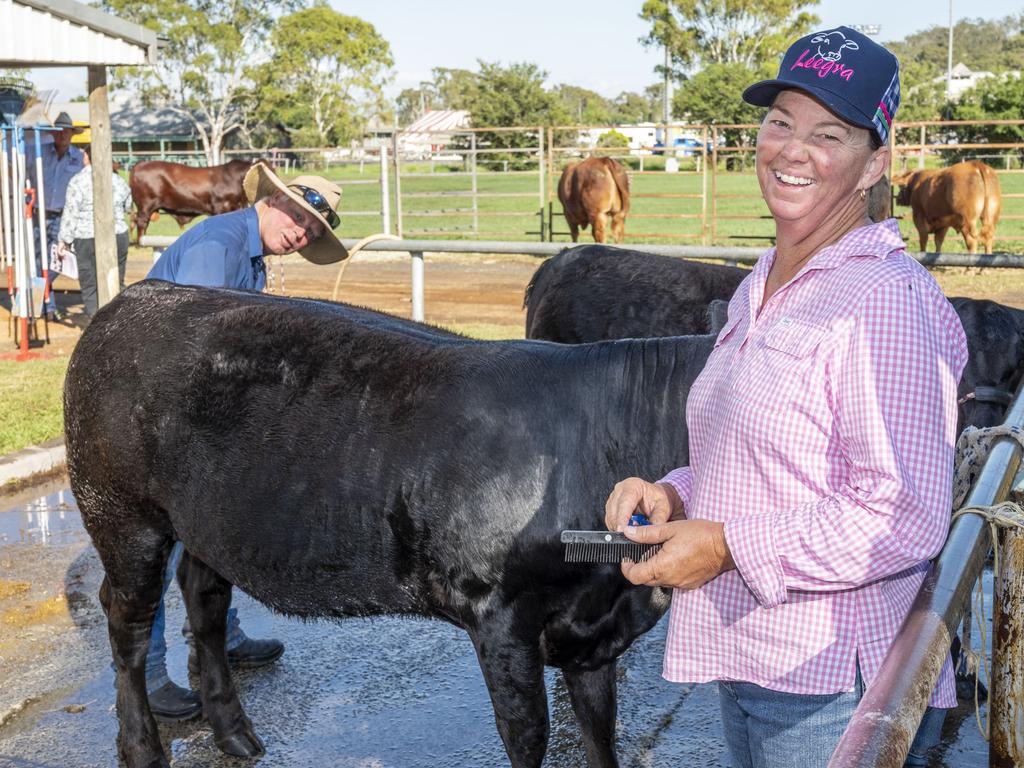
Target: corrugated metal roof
pixel 131 119
pixel 433 129
pixel 68 33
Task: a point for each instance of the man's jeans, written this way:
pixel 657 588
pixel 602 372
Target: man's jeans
pixel 43 260
pixel 769 729
pixel 156 659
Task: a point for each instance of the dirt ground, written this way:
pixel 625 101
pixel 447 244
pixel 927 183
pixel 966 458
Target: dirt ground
pixel 475 292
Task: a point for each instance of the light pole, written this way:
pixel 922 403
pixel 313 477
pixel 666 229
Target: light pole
pixel 949 56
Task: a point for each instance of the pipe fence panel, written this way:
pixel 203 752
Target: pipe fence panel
pixel 689 183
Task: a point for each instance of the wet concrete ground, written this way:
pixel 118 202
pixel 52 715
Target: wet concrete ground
pixel 373 693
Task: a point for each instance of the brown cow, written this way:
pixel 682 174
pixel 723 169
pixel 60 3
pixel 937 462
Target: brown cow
pixel 592 190
pixel 186 192
pixel 953 197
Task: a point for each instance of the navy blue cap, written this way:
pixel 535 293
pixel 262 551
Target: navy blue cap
pixel 849 73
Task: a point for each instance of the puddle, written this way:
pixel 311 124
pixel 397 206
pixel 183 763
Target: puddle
pixel 52 518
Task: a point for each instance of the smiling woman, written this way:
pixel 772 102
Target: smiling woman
pixel 820 433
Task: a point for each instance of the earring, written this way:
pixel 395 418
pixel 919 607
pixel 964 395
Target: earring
pixel 863 194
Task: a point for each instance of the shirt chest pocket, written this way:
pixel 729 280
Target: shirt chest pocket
pixel 777 369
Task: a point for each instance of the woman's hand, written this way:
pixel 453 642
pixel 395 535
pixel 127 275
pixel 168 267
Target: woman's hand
pixel 62 249
pixel 692 553
pixel 658 501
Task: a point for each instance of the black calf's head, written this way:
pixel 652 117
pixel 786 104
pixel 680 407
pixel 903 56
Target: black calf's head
pixel 995 340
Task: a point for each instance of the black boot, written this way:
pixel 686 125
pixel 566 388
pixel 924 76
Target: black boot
pixel 171 703
pixel 249 653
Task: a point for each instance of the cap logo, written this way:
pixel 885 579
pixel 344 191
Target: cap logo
pixel 826 59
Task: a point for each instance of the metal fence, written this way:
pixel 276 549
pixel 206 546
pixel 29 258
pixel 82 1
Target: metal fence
pixel 501 183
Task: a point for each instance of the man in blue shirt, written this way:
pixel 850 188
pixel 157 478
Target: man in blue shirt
pixel 227 251
pixel 61 162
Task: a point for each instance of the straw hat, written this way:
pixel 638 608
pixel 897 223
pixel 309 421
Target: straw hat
pixel 260 182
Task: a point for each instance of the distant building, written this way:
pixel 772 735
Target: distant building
pixel 139 132
pixel 963 79
pixel 643 137
pixel 432 132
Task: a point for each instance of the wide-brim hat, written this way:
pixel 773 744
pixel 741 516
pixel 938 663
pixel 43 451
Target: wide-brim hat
pixel 64 121
pixel 260 182
pixel 851 74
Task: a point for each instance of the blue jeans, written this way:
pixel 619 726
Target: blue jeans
pixel 156 659
pixel 770 729
pixel 43 259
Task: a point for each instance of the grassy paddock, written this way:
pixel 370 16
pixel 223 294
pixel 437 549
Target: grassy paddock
pixel 735 195
pixel 31 408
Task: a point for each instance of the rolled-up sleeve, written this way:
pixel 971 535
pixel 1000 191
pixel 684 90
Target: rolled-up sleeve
pixel 893 383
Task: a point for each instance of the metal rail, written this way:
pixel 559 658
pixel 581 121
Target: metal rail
pixel 731 254
pixel 886 720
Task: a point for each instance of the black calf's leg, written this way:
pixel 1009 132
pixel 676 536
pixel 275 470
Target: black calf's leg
pixel 129 595
pixel 207 597
pixel 593 700
pixel 514 674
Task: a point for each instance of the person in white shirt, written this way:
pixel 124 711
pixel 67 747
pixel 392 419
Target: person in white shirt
pixel 76 230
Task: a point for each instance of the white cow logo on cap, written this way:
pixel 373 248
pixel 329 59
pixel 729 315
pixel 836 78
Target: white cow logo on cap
pixel 831 48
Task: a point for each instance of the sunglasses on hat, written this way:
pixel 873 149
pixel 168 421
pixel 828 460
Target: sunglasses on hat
pixel 318 202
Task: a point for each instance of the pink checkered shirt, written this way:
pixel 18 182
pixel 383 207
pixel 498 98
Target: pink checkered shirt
pixel 821 433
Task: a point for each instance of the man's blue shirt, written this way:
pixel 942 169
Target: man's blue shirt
pixel 222 251
pixel 57 172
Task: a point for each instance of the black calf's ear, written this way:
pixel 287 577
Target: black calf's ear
pixel 718 314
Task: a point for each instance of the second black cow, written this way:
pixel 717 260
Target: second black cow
pixel 333 462
pixel 598 292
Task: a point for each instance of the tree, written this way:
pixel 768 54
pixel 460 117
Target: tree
pixel 513 96
pixel 746 33
pixel 332 68
pixel 630 107
pixel 994 98
pixel 714 96
pixel 205 67
pixel 994 45
pixel 583 106
pixel 454 88
pixel 449 89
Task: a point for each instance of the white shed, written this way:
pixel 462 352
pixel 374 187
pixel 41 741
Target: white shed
pixel 65 33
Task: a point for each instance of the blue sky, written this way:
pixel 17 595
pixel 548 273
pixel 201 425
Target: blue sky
pixel 592 43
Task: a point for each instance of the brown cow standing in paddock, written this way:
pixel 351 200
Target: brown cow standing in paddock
pixel 186 192
pixel 592 190
pixel 953 197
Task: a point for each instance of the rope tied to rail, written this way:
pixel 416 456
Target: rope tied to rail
pixel 972 450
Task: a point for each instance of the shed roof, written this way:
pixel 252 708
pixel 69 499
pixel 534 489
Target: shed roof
pixel 65 33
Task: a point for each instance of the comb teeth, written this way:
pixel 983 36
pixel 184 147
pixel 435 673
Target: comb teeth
pixel 604 547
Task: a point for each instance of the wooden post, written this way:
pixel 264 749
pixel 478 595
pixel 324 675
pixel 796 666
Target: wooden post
pixel 108 282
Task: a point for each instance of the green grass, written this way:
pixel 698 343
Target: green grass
pixel 651 219
pixel 31 408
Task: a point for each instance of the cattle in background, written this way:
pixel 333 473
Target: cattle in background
pixel 185 192
pixel 956 197
pixel 591 191
pixel 335 462
pixel 596 292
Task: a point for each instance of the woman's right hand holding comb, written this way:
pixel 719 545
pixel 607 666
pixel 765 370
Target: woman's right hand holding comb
pixel 658 501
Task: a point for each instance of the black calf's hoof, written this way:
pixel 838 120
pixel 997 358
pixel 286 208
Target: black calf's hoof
pixel 243 744
pixel 171 703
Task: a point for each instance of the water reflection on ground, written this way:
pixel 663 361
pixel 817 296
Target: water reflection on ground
pixel 52 518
